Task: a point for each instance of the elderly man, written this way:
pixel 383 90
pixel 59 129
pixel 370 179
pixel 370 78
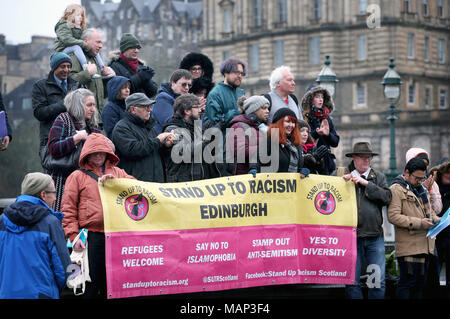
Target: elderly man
pixel 282 88
pixel 126 63
pixel 372 194
pixel 93 38
pixel 221 103
pixel 48 94
pixel 137 143
pixel 180 82
pixel 411 214
pixel 33 253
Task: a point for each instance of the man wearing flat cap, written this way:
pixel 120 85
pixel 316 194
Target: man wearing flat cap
pixel 137 143
pixel 372 193
pixel 48 94
pixel 125 62
pixel 33 254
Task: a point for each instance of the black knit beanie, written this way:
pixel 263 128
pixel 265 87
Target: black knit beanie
pixel 281 113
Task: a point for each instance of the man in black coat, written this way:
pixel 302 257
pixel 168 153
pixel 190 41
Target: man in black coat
pixel 126 63
pixel 137 143
pixel 48 94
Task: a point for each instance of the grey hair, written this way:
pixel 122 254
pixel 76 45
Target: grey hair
pixel 74 102
pixel 276 76
pixel 87 33
pixel 184 102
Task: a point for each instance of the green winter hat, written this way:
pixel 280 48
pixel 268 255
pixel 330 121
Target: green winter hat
pixel 129 41
pixel 34 183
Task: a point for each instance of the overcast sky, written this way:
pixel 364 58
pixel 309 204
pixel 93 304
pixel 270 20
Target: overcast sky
pixel 20 19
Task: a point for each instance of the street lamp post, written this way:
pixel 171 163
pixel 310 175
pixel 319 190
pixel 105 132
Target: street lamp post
pixel 392 82
pixel 327 78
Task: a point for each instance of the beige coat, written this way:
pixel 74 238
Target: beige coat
pixel 405 212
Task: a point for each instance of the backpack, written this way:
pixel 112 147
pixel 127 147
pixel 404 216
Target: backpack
pixel 267 96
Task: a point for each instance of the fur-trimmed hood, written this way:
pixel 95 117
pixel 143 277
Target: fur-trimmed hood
pixel 114 56
pixel 195 58
pixel 307 99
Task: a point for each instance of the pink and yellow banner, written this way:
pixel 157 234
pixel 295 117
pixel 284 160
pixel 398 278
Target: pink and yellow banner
pixel 228 233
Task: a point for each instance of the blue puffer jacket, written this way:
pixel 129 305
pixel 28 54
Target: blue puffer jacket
pixel 163 108
pixel 33 252
pixel 114 109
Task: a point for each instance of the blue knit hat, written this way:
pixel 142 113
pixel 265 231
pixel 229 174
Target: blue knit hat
pixel 57 58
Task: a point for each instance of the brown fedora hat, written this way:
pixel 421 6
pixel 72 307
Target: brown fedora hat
pixel 361 148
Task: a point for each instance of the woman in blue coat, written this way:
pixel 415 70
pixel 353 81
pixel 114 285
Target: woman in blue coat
pixel 118 90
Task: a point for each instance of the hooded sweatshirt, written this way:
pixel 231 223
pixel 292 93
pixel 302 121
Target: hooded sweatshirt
pixel 115 108
pixel 33 252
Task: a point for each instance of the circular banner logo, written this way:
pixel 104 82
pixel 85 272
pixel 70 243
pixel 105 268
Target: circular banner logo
pixel 325 203
pixel 136 206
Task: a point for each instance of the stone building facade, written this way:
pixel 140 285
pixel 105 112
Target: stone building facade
pixel 167 29
pixel 360 36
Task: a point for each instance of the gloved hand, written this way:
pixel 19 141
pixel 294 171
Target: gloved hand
pixel 146 73
pixel 320 152
pixel 253 172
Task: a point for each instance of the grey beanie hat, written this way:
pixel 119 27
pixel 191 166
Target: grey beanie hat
pixel 34 183
pixel 254 103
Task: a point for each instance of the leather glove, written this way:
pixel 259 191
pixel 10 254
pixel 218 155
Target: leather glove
pixel 146 74
pixel 320 152
pixel 253 172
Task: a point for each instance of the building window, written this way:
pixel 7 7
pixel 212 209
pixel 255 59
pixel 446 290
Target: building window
pixel 425 8
pixel 132 28
pixel 411 45
pixel 227 20
pixel 119 32
pixel 26 104
pixel 169 33
pixel 254 57
pixel 362 6
pixel 362 47
pixel 427 48
pixel 317 9
pixel 282 11
pixel 225 55
pixel 411 94
pixel 407 5
pixel 278 52
pixel 442 99
pixel 314 50
pixel 441 51
pixel 360 95
pixel 427 98
pixel 257 13
pixel 441 8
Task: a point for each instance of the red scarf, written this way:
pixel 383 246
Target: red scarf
pixel 321 113
pixel 308 147
pixel 132 63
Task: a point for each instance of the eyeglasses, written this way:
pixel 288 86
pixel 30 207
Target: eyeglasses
pixel 50 192
pixel 365 157
pixel 147 107
pixel 239 73
pixel 196 69
pixel 419 179
pixel 189 85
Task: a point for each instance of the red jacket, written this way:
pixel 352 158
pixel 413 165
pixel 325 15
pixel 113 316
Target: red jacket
pixel 81 203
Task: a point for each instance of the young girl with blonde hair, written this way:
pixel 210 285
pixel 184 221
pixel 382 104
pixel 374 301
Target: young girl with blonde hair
pixel 68 36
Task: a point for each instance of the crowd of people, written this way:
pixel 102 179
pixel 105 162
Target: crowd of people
pixel 188 129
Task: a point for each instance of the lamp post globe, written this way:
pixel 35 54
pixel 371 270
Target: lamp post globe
pixel 327 78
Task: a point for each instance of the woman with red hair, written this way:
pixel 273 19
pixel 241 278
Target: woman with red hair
pixel 284 145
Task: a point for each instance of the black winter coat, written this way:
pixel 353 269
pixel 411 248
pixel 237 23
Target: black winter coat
pixel 138 148
pixel 48 102
pixel 138 82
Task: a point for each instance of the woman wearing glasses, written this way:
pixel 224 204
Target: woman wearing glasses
pixel 180 82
